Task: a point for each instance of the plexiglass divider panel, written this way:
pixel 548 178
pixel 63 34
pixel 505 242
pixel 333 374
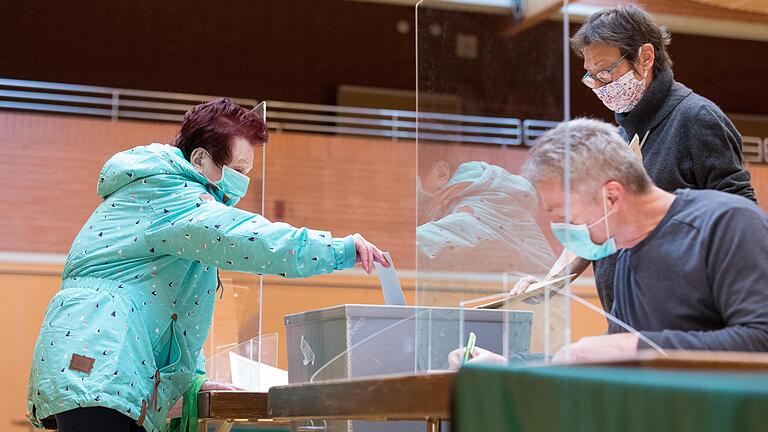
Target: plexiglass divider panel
pixel 237 322
pixel 496 83
pixel 250 365
pixel 487 86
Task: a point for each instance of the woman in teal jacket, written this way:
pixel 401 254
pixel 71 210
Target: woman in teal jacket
pixel 121 341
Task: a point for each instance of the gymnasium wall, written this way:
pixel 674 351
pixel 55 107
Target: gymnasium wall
pixel 50 164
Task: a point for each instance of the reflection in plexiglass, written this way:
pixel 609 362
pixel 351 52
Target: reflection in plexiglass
pixel 480 77
pixel 480 225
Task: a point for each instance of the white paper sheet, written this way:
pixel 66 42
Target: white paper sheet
pixel 540 285
pixel 390 284
pixel 254 376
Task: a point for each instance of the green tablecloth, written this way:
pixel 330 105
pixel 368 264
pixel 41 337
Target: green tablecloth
pixel 551 399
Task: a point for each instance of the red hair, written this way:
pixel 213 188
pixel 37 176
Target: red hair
pixel 213 125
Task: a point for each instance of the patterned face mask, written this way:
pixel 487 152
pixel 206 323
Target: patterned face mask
pixel 623 94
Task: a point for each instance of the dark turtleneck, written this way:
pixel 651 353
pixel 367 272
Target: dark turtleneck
pixel 691 145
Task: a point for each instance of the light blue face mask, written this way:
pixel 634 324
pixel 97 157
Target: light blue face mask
pixel 233 184
pixel 576 238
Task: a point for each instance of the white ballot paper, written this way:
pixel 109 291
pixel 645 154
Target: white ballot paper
pixel 254 376
pixel 636 145
pixel 390 284
pixel 540 285
pixel 533 289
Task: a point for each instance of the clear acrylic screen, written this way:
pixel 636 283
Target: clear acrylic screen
pixel 495 83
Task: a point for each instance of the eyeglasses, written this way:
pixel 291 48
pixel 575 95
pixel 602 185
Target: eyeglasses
pixel 604 76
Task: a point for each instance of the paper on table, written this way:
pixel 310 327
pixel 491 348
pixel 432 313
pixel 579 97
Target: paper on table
pixel 390 284
pixel 539 285
pixel 254 376
pixel 531 291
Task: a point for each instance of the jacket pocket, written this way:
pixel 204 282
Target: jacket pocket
pixel 170 351
pixel 167 349
pixel 173 373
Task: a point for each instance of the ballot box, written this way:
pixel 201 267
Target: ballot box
pixel 353 341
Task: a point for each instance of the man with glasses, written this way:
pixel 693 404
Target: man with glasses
pixel 685 141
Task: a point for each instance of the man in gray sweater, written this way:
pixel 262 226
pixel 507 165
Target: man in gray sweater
pixel 690 271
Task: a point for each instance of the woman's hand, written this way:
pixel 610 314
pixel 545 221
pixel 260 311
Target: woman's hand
pixel 175 411
pixel 367 253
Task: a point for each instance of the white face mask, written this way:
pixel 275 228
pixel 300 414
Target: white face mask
pixel 623 94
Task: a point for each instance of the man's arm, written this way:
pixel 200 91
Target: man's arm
pixel 559 269
pixel 735 260
pixel 577 265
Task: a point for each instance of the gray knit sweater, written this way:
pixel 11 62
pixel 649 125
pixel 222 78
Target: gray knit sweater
pixel 691 145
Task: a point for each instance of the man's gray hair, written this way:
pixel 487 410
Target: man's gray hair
pixel 598 155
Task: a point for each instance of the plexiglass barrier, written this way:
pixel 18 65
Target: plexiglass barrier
pixel 480 226
pixel 250 365
pixel 498 81
pixel 237 321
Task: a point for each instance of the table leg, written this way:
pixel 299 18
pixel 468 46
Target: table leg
pixel 225 426
pixel 433 425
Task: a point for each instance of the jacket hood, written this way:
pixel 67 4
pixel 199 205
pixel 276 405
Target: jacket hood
pixel 480 178
pixel 480 185
pixel 141 162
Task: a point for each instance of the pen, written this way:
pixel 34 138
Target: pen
pixel 470 346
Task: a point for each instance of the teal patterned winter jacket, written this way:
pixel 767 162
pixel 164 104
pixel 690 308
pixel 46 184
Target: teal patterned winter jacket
pixel 138 288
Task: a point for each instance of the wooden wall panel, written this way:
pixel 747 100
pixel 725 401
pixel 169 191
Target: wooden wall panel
pixel 26 291
pixel 50 166
pixel 725 10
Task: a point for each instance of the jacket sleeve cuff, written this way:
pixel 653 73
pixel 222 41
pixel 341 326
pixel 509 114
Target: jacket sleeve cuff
pixel 344 253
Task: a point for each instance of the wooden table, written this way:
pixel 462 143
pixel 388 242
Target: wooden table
pixel 230 407
pixel 424 397
pixel 690 360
